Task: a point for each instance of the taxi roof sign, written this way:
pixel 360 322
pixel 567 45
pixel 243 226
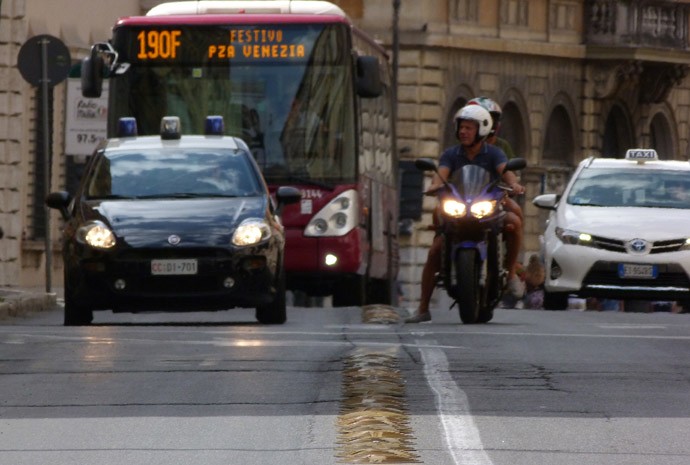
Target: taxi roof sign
pixel 641 155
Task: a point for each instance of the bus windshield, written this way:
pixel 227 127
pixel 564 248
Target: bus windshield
pixel 286 90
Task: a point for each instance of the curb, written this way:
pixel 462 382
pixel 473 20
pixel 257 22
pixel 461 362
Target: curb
pixel 16 303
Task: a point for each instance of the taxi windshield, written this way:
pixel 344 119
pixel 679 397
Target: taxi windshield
pixel 168 173
pixel 611 187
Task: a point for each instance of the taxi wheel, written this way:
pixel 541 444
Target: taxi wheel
pixel 274 313
pixel 555 300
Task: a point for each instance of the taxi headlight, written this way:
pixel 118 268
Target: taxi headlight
pixel 568 236
pixel 453 208
pixel 686 246
pixel 251 231
pixel 97 235
pixel 483 208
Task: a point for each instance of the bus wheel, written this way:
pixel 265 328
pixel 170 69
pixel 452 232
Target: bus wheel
pixel 380 292
pixel 350 292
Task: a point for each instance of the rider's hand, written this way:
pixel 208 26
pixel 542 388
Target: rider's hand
pixel 517 188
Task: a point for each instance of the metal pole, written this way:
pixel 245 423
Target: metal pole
pixel 46 159
pixel 396 52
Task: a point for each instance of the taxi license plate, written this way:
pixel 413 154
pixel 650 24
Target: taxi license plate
pixel 174 267
pixel 630 270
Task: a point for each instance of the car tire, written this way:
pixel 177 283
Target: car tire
pixel 77 312
pixel 555 300
pixel 274 313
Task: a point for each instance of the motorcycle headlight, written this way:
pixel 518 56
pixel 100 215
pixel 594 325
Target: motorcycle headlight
pixel 251 231
pixel 97 235
pixel 453 208
pixel 568 236
pixel 483 208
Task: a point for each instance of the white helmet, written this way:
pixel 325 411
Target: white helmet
pixel 479 115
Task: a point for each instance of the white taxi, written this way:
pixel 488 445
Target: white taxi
pixel 620 230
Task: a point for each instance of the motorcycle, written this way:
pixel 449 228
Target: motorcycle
pixel 471 223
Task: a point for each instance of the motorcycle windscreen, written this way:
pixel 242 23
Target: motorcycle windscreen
pixel 470 180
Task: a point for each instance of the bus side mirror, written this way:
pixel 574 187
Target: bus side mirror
pixel 92 74
pixel 368 77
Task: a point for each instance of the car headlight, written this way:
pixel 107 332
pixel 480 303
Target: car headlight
pixel 97 235
pixel 453 208
pixel 568 236
pixel 483 208
pixel 251 231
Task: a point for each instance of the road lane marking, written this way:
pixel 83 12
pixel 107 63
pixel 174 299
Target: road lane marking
pixel 461 432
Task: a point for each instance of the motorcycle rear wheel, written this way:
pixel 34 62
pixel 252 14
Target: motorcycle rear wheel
pixel 469 295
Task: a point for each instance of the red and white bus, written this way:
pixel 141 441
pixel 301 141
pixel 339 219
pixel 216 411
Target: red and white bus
pixel 309 93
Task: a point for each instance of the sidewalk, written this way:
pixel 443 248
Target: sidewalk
pixel 17 302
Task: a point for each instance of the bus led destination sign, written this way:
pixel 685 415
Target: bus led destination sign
pixel 219 44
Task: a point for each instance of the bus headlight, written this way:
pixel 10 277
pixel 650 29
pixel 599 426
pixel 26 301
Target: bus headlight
pixel 337 218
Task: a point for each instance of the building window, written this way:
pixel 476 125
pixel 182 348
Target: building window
pixel 515 13
pixel 562 16
pixel 464 10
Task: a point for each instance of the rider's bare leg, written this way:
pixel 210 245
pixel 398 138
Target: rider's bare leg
pixel 431 267
pixel 513 236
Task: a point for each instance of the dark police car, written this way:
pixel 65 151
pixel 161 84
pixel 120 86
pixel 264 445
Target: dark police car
pixel 172 223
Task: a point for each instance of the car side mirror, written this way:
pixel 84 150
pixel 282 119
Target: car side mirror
pixel 59 201
pixel 546 201
pixel 286 195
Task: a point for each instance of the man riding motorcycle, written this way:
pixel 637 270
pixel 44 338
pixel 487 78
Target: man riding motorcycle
pixel 473 124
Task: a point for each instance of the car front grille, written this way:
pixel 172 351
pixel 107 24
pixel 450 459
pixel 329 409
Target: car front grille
pixel 615 245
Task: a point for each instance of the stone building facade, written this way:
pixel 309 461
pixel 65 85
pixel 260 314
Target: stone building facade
pixel 575 78
pixel 22 214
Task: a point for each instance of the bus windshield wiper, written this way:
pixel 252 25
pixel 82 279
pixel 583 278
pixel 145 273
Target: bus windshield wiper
pixel 310 182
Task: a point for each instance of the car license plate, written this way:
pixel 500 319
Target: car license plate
pixel 631 270
pixel 174 267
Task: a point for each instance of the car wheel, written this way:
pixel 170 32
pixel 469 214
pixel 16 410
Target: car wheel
pixel 555 300
pixel 77 312
pixel 274 313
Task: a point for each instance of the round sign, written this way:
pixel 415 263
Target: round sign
pixel 56 59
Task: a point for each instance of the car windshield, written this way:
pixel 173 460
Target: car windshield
pixel 631 188
pixel 172 173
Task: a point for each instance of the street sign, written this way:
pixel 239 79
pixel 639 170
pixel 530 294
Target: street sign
pixel 44 62
pixel 31 60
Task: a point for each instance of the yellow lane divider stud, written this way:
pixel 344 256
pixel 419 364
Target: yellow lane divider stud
pixel 373 425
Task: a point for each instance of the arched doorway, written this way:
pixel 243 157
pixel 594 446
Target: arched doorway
pixel 449 137
pixel 513 129
pixel 559 142
pixel 618 137
pixel 661 137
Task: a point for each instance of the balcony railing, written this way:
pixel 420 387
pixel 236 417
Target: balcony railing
pixel 628 24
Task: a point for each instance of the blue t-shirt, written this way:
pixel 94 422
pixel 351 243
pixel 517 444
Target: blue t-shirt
pixel 489 157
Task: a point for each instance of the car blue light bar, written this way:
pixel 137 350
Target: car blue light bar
pixel 214 126
pixel 127 127
pixel 171 127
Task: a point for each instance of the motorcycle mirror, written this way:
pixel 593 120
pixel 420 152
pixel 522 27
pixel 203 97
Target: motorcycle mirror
pixel 425 164
pixel 516 164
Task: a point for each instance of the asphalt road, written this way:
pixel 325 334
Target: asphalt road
pixel 531 387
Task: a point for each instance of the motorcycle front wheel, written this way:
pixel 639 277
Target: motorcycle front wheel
pixel 467 272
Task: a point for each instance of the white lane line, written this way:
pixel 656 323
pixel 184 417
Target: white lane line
pixel 461 433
